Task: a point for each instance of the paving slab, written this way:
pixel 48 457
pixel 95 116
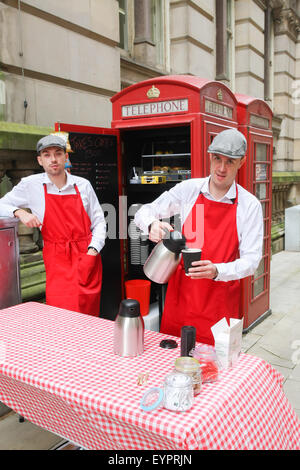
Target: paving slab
pixel 292 391
pixel 248 340
pixel 281 337
pixel 24 436
pixel 265 326
pixel 295 373
pixel 268 356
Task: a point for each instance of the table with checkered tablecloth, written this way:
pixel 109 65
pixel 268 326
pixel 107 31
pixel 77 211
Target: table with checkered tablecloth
pixel 58 370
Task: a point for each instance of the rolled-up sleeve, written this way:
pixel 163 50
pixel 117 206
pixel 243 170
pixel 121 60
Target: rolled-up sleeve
pixel 250 248
pixel 17 198
pixel 98 223
pixel 165 206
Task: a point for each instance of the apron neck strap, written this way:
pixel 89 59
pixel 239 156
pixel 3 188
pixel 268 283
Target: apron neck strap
pixel 75 187
pixel 234 200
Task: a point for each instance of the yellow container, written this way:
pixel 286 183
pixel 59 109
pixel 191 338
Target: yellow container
pixel 153 179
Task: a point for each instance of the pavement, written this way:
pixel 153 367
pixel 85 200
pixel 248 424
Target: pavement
pixel 276 340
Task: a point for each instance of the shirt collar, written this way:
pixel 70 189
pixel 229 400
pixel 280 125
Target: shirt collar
pixel 70 180
pixel 231 193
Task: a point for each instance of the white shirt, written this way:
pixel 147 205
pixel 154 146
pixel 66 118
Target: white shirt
pixel 29 193
pixel 181 198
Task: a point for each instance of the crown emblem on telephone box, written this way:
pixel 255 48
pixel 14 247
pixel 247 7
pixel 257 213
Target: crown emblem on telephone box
pixel 153 92
pixel 220 95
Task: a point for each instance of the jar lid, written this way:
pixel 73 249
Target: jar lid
pixel 187 364
pixel 152 399
pixel 168 344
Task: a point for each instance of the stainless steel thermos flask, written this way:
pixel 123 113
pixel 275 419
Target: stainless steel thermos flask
pixel 165 257
pixel 129 329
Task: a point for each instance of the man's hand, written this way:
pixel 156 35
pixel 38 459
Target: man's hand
pixel 157 231
pixel 92 251
pixel 203 269
pixel 27 218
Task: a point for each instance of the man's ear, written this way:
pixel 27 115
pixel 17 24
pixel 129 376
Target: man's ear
pixel 39 160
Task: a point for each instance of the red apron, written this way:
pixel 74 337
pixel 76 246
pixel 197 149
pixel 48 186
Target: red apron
pixel 73 278
pixel 203 302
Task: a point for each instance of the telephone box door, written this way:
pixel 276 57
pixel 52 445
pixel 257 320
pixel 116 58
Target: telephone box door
pixel 259 285
pixel 95 155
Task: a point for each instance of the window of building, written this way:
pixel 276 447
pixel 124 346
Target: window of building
pixel 230 41
pixel 158 29
pixel 269 55
pixel 123 24
pixel 225 41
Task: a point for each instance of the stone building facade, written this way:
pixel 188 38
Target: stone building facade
pixel 64 60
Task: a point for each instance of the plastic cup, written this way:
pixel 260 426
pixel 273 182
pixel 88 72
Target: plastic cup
pixel 139 289
pixel 189 255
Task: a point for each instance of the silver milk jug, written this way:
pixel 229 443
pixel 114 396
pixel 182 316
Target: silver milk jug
pixel 165 257
pixel 129 329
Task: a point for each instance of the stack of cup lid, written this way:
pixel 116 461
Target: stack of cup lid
pixel 134 242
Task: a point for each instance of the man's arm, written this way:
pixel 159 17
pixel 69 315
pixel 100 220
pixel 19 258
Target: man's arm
pixel 250 249
pixel 12 204
pixel 148 217
pixel 28 219
pixel 98 223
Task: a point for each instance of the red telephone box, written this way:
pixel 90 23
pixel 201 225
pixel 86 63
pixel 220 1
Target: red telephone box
pixel 161 129
pixel 166 125
pixel 255 122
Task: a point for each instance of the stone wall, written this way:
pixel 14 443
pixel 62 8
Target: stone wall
pixel 59 60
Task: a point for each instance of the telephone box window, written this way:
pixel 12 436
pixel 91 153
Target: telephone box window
pixel 261 152
pixel 258 286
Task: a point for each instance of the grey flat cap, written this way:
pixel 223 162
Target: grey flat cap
pixel 230 143
pixel 50 141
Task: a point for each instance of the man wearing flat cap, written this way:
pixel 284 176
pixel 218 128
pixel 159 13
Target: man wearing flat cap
pixel 224 220
pixel 66 209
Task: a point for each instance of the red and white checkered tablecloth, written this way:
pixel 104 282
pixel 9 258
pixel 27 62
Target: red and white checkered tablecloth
pixel 58 370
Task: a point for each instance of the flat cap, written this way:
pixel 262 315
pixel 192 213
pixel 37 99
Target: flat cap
pixel 50 141
pixel 230 143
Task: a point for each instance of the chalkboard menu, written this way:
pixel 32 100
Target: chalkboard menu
pixel 94 157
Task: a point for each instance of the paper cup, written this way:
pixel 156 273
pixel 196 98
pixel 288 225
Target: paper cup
pixel 189 255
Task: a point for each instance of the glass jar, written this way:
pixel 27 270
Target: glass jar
pixel 178 392
pixel 191 367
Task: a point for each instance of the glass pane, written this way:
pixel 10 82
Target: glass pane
pixel 261 152
pixel 123 23
pixel 261 191
pixel 261 171
pixel 158 29
pixel 122 30
pixel 258 287
pixel 261 268
pixel 229 16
